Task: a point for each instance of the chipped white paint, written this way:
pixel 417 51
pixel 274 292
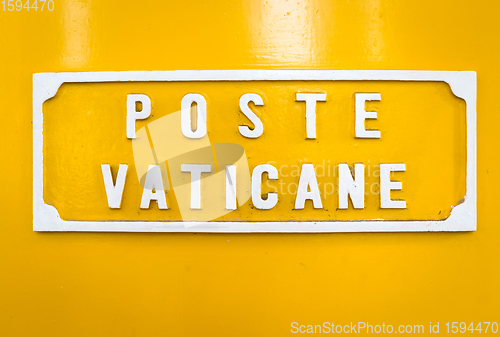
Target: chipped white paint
pixel 463 84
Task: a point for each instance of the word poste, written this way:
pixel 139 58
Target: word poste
pixel 350 184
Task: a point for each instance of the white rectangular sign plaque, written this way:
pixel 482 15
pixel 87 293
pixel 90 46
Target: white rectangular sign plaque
pixel 305 151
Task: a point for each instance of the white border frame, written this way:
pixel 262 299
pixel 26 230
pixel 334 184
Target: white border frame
pixel 463 217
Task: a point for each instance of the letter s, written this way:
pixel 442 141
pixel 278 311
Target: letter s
pixel 296 327
pixel 258 127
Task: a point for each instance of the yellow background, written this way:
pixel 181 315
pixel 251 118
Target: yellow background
pixel 111 284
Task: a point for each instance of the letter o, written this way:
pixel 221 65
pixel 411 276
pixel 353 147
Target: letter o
pixel 186 103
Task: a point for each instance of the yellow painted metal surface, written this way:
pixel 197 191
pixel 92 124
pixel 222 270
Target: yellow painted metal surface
pixel 422 125
pixel 117 284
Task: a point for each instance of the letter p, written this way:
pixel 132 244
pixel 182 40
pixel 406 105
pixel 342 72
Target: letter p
pixel 133 114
